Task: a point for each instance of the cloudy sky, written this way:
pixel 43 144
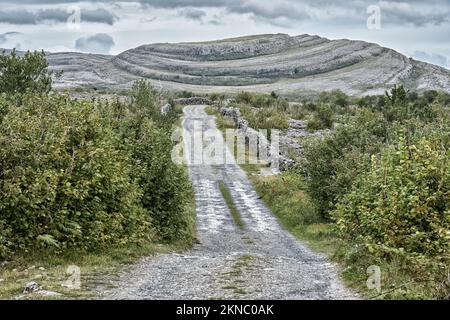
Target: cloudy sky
pixel 420 29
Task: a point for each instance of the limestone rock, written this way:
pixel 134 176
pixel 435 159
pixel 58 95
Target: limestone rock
pixel 31 287
pixel 292 66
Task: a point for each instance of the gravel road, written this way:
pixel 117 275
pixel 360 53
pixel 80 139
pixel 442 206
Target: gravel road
pixel 259 261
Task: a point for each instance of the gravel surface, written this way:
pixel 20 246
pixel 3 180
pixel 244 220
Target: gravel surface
pixel 258 261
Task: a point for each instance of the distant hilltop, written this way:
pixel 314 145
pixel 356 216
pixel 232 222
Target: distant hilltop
pixel 290 66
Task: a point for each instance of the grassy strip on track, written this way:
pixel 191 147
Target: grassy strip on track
pixel 231 206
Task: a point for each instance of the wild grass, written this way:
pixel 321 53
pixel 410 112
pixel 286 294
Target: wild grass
pixel 222 122
pixel 265 118
pixel 230 204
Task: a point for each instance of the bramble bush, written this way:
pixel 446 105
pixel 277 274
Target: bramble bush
pixel 399 213
pixel 164 184
pixel 86 175
pixel 383 177
pixel 166 190
pixel 402 203
pixel 64 183
pixel 334 161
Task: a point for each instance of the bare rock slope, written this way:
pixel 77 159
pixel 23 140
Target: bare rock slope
pixel 292 66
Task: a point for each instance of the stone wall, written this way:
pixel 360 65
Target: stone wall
pixel 276 160
pixel 165 109
pixel 193 101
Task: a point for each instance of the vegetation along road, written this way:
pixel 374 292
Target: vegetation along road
pixel 242 251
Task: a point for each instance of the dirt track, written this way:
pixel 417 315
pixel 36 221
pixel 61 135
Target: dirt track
pixel 258 261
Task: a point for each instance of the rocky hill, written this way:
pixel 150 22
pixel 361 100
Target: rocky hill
pixel 291 66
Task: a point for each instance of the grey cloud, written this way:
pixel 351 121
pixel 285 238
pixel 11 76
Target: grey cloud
pixel 193 14
pixel 51 15
pixel 397 12
pixel 23 17
pixel 394 12
pixel 170 4
pixel 17 17
pixel 285 8
pixel 6 36
pixel 433 58
pixel 279 22
pixel 98 15
pixel 285 12
pixel 98 43
pixel 2 38
pixel 215 22
pixel 148 20
pixel 262 9
pixel 273 11
pixel 416 19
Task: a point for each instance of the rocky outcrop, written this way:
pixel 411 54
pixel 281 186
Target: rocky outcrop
pixel 251 60
pixel 31 287
pixel 291 66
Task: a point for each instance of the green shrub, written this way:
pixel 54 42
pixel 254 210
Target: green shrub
pixel 186 94
pixel 297 112
pixel 244 97
pixel 398 95
pixel 444 99
pixel 367 102
pixel 403 202
pixel 332 163
pixel 399 213
pixel 143 101
pixel 165 187
pixel 265 118
pixel 19 74
pixel 323 118
pixel 310 106
pixel 335 98
pixel 341 99
pixel 216 96
pixel 64 183
pixel 4 107
pixel 400 109
pixel 262 100
pixel 430 95
pixel 225 122
pixel 274 95
pixel 88 175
